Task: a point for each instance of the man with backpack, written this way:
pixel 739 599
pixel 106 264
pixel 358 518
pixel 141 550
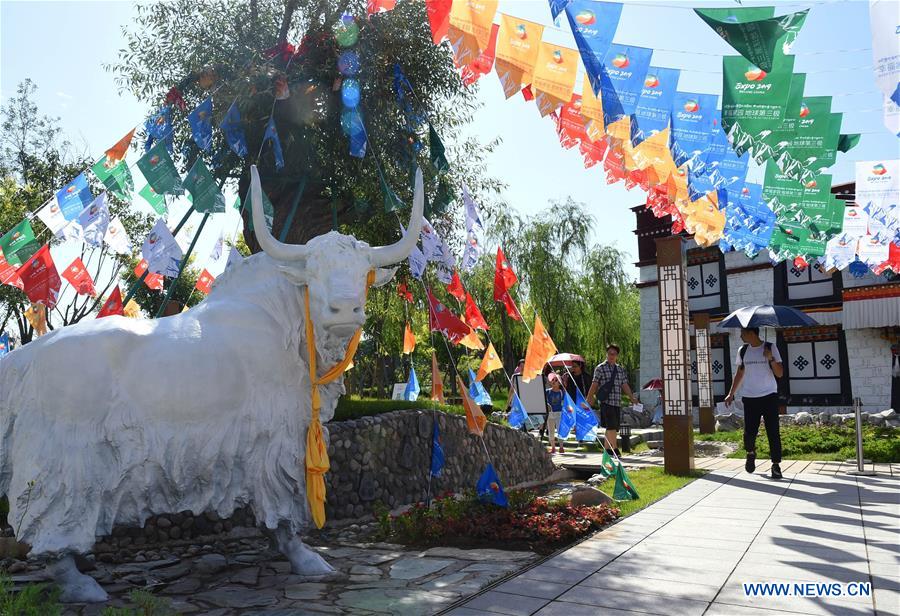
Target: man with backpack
pixel 610 381
pixel 758 365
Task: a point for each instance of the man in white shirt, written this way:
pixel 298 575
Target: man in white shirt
pixel 758 365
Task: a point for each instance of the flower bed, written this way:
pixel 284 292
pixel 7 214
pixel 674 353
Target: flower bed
pixel 530 522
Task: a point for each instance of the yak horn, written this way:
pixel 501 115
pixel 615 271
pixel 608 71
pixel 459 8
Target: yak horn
pixel 271 246
pixel 388 255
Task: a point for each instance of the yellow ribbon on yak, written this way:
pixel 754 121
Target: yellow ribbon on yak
pixel 317 463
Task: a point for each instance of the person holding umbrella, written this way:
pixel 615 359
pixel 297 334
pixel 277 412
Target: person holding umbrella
pixel 758 367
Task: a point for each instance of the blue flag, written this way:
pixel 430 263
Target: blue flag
pixel 4 344
pixel 567 417
pixel 200 120
pixel 654 106
pixel 477 391
pixel 585 420
pixel 517 414
pixel 159 128
pixel 234 131
pixel 557 7
pixel 692 116
pixel 272 136
pixel 74 197
pixel 489 488
pixel 622 80
pixel 411 393
pixel 593 25
pixel 437 452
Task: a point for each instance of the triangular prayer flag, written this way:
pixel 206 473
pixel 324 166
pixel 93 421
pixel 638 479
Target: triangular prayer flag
pixel 112 305
pixel 479 394
pixel 474 232
pixel 117 238
pixel 154 199
pixel 847 142
pixel 624 489
pixel 438 18
pixel 120 150
pixel 759 41
pixel 517 414
pixel 474 319
pixel 153 281
pixel 234 131
pixel 455 288
pixel 442 320
pixel 489 363
pixel 19 243
pixel 77 276
pixel 437 383
pixel 271 135
pixel 411 393
pixel 437 452
pixel 8 273
pixel 489 488
pixel 207 198
pixel 159 129
pixel 160 171
pixel 234 257
pixel 116 176
pixel 475 419
pixel 511 309
pixel 204 282
pixel 585 420
pixel 471 341
pixel 162 252
pixel 436 151
pixel 91 225
pixel 52 216
pixel 74 197
pixel 200 120
pixel 540 349
pixel 504 276
pixel 409 340
pixel 40 278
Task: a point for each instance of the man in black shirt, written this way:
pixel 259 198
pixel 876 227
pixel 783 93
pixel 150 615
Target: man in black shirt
pixel 575 379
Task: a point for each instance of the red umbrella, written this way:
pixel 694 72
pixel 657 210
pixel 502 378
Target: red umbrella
pixel 656 384
pixel 565 359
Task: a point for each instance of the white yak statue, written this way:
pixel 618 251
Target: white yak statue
pixel 111 421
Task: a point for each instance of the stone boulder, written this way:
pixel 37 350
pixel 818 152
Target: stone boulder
pixel 586 496
pixel 803 418
pixel 636 419
pixel 729 422
pixel 787 420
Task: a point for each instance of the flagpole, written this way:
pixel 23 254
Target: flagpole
pixel 181 266
pixel 430 475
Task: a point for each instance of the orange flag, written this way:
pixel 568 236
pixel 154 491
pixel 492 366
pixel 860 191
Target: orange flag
pixel 489 363
pixel 471 341
pixel 517 48
pixel 540 350
pixel 437 383
pixel 475 419
pixel 409 340
pixel 554 76
pixel 118 151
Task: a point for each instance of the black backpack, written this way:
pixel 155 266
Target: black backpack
pixel 605 390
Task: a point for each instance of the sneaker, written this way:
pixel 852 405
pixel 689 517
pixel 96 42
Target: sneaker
pixel 750 465
pixel 776 471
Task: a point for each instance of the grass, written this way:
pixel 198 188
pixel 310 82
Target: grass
pixel 821 443
pixel 651 484
pixel 351 407
pixel 43 600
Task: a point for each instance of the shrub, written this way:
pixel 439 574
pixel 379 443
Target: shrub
pixel 823 443
pixel 353 408
pixel 33 600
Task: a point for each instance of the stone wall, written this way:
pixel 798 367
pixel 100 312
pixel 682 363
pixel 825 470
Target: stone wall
pixel 386 458
pixel 869 358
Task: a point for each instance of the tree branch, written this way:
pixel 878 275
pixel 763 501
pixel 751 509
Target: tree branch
pixel 289 9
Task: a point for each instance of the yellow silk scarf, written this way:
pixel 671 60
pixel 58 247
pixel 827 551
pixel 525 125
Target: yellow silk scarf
pixel 317 463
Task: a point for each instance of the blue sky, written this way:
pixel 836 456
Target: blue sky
pixel 833 49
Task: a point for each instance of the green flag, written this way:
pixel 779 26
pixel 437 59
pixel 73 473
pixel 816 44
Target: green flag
pixel 766 147
pixel 848 142
pixel 436 151
pixel 201 185
pixel 19 243
pixel 607 464
pixel 160 171
pixel 442 198
pixel 813 146
pixel 783 195
pixel 624 489
pixel 116 178
pixel 237 203
pixel 759 41
pixel 156 201
pixel 268 211
pixel 392 202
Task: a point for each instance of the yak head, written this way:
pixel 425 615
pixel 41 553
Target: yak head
pixel 334 267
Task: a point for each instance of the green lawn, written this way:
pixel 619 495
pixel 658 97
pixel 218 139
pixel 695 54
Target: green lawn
pixel 351 407
pixel 821 443
pixel 651 484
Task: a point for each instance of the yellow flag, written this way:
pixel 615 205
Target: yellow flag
pixel 489 363
pixel 132 310
pixel 517 48
pixel 554 76
pixel 37 317
pixel 470 28
pixel 653 152
pixel 409 340
pixel 437 384
pixel 704 219
pixel 540 350
pixel 620 131
pixel 471 341
pixel 475 419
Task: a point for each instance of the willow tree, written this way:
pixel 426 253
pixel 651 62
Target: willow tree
pixel 247 51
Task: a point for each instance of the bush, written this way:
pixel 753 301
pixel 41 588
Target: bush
pixel 349 407
pixel 822 443
pixel 33 600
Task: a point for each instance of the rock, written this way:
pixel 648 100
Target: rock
pixel 163 522
pixel 787 420
pixel 248 576
pixel 238 597
pixel 803 418
pixel 366 490
pixel 406 459
pixel 184 586
pixel 175 532
pixel 210 563
pixel 875 419
pixel 17 567
pixel 886 415
pixel 728 422
pixel 597 479
pixel 310 591
pixel 415 568
pixel 365 570
pixel 393 601
pixel 590 497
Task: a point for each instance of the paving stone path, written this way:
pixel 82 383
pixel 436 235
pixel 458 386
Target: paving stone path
pixel 691 552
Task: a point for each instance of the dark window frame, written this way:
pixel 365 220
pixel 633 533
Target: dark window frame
pixel 844 398
pixel 780 292
pixel 722 308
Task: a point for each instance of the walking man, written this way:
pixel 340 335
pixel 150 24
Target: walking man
pixel 610 381
pixel 758 365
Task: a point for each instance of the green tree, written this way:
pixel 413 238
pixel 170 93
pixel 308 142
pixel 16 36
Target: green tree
pixel 218 46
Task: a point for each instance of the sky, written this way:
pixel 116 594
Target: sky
pixel 834 49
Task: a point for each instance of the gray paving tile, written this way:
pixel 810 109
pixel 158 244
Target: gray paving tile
pixel 464 611
pixel 627 600
pixel 559 575
pixel 533 588
pixel 651 586
pixel 887 602
pixel 677 574
pixel 565 608
pixel 504 603
pixel 726 609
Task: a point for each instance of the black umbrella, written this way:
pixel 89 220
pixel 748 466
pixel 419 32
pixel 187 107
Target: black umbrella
pixel 767 316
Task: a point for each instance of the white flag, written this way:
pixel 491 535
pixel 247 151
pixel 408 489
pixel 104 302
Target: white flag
pixel 432 245
pixel 93 221
pixel 877 182
pixel 234 257
pixel 161 251
pixel 474 233
pixel 885 21
pixel 218 248
pixel 840 251
pixel 52 216
pixel 417 263
pixel 184 237
pixel 892 116
pixel 117 238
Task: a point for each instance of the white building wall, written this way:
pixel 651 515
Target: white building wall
pixel 869 358
pixel 650 366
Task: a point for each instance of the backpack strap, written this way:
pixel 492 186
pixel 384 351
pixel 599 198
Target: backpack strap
pixel 742 351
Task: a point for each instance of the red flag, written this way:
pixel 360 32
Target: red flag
pixel 379 6
pixel 511 308
pixel 483 64
pixel 153 281
pixel 78 277
pixel 473 314
pixel 8 273
pixel 615 165
pixel 442 320
pixel 40 278
pixel 438 18
pixel 527 94
pixel 504 277
pixel 456 287
pixel 593 151
pixel 570 124
pixel 112 305
pixel 404 292
pixel 204 282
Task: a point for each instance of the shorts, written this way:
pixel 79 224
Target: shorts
pixel 553 422
pixel 610 416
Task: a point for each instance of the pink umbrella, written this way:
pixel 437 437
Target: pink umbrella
pixel 565 359
pixel 656 384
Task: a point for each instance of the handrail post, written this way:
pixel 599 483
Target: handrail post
pixel 860 460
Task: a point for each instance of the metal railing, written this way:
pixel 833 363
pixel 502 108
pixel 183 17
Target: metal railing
pixel 860 459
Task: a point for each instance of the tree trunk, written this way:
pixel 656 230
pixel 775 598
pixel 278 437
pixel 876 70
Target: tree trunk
pixel 510 359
